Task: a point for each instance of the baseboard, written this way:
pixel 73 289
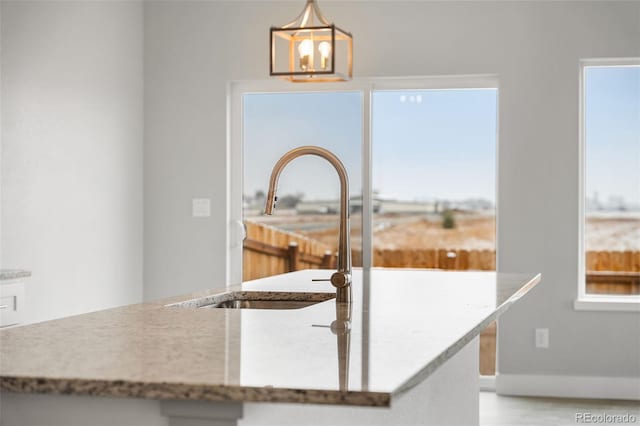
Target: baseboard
pixel 569 386
pixel 487 383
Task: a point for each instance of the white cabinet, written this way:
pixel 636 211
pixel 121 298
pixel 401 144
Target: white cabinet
pixel 11 302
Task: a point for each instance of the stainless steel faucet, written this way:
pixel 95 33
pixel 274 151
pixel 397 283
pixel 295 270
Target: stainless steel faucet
pixel 341 279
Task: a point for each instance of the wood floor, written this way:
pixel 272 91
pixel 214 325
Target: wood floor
pixel 498 410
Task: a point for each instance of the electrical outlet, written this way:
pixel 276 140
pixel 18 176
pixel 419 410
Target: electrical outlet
pixel 201 207
pixel 542 338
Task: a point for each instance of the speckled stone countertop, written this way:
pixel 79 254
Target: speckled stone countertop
pixel 13 274
pixel 403 326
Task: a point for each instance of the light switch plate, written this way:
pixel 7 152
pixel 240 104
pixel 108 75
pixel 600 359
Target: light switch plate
pixel 201 207
pixel 542 338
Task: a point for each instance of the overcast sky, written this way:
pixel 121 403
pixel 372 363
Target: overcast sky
pixel 426 144
pixel 612 131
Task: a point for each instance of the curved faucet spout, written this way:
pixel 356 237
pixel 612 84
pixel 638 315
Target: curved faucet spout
pixel 342 278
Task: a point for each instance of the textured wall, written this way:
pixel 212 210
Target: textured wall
pixel 72 131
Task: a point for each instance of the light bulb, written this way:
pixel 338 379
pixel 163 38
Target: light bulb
pixel 325 50
pixel 305 49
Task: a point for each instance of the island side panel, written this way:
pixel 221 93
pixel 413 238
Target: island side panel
pixel 19 409
pixel 450 396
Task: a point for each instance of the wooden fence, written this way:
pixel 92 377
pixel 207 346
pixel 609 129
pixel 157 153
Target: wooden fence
pixel 270 251
pixel 623 261
pixel 613 272
pixel 460 260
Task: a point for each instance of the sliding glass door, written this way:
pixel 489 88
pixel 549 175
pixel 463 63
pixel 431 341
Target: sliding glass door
pixel 421 162
pixel 421 157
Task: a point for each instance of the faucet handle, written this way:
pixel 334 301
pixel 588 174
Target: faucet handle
pixel 340 279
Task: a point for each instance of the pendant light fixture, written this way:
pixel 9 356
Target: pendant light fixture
pixel 310 49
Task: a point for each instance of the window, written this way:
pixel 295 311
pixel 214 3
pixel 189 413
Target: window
pixel 611 179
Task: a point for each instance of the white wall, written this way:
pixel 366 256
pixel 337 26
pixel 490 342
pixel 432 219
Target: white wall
pixel 193 49
pixel 1 97
pixel 72 131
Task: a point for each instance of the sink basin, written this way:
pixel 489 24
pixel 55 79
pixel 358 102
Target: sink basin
pixel 263 304
pixel 257 300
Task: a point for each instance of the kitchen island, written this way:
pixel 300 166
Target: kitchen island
pixel 404 352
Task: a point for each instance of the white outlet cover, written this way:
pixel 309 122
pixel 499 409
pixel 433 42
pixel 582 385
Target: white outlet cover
pixel 542 338
pixel 201 207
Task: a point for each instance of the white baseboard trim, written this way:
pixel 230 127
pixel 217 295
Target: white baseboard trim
pixel 568 386
pixel 487 383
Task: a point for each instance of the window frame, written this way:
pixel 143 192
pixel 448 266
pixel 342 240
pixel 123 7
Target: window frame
pixel 366 86
pixel 585 301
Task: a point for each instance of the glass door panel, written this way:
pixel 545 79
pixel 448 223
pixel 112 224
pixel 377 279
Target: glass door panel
pixel 305 220
pixel 434 183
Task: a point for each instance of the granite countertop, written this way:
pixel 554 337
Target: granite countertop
pixel 404 325
pixel 13 274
